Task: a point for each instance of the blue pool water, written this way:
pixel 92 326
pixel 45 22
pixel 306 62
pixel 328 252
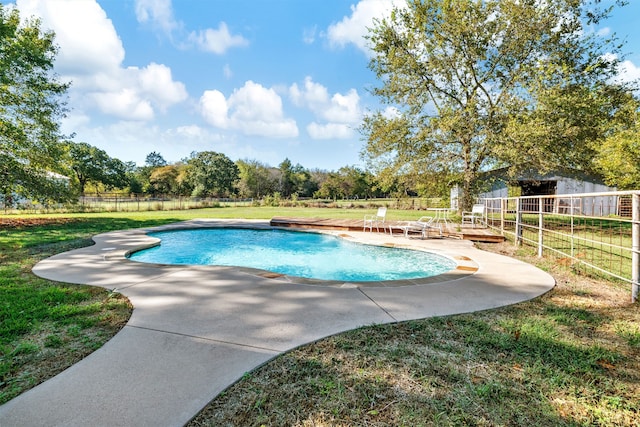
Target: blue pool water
pixel 309 255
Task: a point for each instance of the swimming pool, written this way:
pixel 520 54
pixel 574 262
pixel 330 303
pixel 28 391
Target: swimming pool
pixel 300 254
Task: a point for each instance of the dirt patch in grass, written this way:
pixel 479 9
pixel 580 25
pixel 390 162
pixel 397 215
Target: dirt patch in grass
pixel 8 222
pixel 570 357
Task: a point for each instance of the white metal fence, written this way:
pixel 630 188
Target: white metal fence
pixel 594 232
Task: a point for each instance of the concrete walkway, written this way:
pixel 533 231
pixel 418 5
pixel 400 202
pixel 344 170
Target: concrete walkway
pixel 196 330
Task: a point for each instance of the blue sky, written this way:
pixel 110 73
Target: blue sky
pixel 253 79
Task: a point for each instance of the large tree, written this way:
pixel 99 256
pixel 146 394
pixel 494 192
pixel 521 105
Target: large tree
pixel 90 164
pixel 286 178
pixel 463 79
pixel 348 182
pixel 169 179
pixel 255 179
pixel 155 160
pixel 211 174
pixel 295 180
pixel 618 157
pixel 31 104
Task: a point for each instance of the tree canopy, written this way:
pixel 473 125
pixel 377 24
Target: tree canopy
pixel 471 85
pixel 256 179
pixel 211 174
pixel 90 164
pixel 155 160
pixel 31 104
pixel 618 158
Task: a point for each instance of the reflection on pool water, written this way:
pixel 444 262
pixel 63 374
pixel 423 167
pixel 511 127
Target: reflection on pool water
pixel 301 254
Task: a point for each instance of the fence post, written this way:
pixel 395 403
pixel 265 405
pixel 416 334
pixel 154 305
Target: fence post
pixel 518 230
pixel 503 208
pixel 540 226
pixel 573 234
pixel 635 247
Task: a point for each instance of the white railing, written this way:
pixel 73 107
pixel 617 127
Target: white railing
pixel 599 232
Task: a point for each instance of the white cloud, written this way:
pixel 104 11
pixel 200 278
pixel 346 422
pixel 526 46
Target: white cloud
pixel 128 141
pixel 214 108
pixel 124 104
pixel 313 95
pixel 309 35
pixel 157 84
pixel 191 132
pixel 344 108
pixel 629 72
pixel 341 112
pixel 130 93
pixel 252 109
pixel 91 56
pixel 391 112
pixel 158 13
pixel 73 121
pixel 217 41
pixel 352 29
pixel 329 131
pixel 88 41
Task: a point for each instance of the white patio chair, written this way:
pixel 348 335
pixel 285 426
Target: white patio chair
pixel 423 225
pixel 377 219
pixel 476 216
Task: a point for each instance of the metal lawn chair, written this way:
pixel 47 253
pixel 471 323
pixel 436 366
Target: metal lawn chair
pixel 475 216
pixel 377 219
pixel 423 225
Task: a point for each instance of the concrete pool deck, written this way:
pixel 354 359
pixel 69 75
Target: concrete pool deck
pixel 195 330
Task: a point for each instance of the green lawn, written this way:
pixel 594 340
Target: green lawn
pixel 604 243
pixel 568 358
pixel 46 326
pixel 249 212
pixel 571 357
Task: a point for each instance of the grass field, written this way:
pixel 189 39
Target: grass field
pixel 571 357
pixel 45 326
pixel 591 245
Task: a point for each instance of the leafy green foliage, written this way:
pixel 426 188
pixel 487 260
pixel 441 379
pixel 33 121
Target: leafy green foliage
pixel 155 160
pixel 568 129
pixel 475 84
pixel 211 174
pixel 618 156
pixel 347 182
pixel 169 179
pixel 45 326
pixel 294 180
pixel 30 105
pixel 93 165
pixel 256 179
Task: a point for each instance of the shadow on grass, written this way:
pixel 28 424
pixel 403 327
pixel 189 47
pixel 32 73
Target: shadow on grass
pixel 459 370
pixel 46 326
pixel 59 232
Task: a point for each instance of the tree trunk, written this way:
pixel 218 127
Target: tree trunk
pixel 468 198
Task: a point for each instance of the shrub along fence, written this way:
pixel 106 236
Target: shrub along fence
pixel 598 233
pixel 112 202
pixel 118 202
